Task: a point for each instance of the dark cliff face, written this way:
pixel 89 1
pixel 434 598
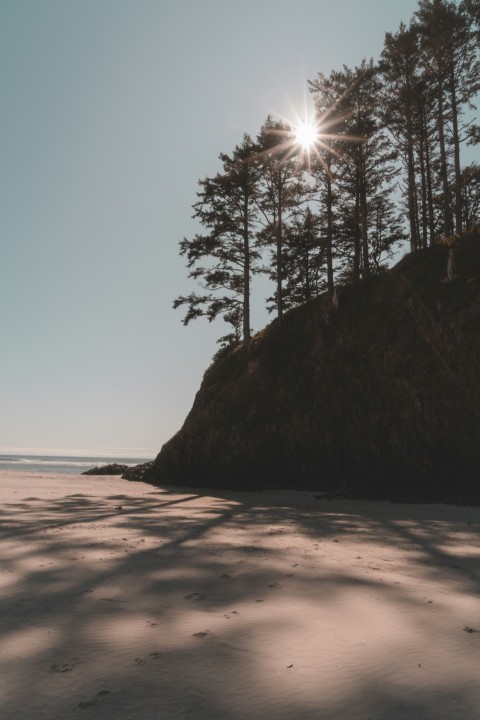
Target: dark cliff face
pixel 378 398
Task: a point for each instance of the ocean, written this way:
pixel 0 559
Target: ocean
pixel 61 464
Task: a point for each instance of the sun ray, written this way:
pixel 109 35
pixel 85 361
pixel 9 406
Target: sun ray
pixel 309 140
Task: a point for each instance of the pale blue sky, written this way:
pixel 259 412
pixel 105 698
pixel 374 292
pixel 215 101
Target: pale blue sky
pixel 111 110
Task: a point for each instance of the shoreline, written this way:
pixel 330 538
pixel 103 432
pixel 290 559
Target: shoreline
pixel 130 600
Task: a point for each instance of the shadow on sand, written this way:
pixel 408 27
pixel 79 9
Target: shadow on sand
pixel 174 604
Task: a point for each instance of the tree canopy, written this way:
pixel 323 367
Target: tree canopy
pixel 385 167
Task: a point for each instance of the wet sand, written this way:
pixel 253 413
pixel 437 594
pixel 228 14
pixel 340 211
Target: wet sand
pixel 122 600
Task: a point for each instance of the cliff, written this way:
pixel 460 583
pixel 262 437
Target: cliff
pixel 377 398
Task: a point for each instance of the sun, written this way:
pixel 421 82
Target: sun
pixel 306 134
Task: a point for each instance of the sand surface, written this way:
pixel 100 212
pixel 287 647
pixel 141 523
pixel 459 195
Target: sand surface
pixel 122 600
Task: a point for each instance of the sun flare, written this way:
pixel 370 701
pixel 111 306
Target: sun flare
pixel 306 134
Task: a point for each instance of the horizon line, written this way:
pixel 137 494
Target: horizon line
pixel 107 452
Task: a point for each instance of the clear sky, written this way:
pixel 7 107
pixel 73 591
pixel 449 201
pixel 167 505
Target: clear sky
pixel 111 110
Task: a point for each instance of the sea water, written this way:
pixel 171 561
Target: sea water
pixel 61 464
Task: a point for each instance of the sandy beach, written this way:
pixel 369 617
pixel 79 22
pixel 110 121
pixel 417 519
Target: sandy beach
pixel 122 600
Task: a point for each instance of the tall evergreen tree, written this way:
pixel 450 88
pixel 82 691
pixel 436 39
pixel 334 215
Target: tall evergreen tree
pixel 304 257
pixel 223 260
pixel 281 191
pixel 363 156
pixel 327 159
pixel 400 69
pixel 450 52
pixel 471 195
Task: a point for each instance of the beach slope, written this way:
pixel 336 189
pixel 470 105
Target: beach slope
pixel 122 600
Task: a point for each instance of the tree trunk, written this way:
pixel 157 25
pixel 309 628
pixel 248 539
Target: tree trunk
pixel 363 218
pixel 421 151
pixel 428 171
pixel 279 258
pixel 246 276
pixel 456 151
pixel 358 247
pixel 330 279
pixel 411 183
pixel 443 163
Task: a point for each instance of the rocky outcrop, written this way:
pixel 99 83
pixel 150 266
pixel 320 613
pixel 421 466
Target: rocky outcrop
pixel 137 472
pixel 378 397
pixel 128 472
pixel 112 469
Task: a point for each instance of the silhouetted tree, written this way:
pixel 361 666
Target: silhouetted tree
pixel 281 192
pixel 390 138
pixel 326 161
pixel 400 69
pixel 223 259
pixel 471 195
pixel 364 161
pixel 472 8
pixel 450 55
pixel 304 257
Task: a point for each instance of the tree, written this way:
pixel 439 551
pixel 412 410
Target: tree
pixel 472 8
pixel 471 195
pixel 399 67
pixel 281 192
pixel 304 257
pixel 326 160
pixel 450 54
pixel 364 161
pixel 223 260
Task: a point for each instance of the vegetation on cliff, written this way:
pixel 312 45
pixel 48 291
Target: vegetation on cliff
pixel 312 203
pixel 379 397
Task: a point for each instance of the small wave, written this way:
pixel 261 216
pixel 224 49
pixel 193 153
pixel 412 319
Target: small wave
pixel 17 461
pixel 71 463
pixel 64 463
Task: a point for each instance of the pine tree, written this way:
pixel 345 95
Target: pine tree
pixel 304 257
pixel 471 195
pixel 472 9
pixel 363 158
pixel 281 192
pixel 400 69
pixel 450 53
pixel 326 161
pixel 223 260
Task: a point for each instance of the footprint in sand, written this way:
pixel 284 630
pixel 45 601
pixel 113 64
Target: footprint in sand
pixel 62 667
pixel 469 629
pixel 200 634
pixel 194 596
pixel 225 576
pixel 151 656
pixel 274 585
pixel 90 703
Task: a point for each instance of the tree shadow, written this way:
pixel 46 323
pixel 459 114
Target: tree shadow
pixel 221 604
